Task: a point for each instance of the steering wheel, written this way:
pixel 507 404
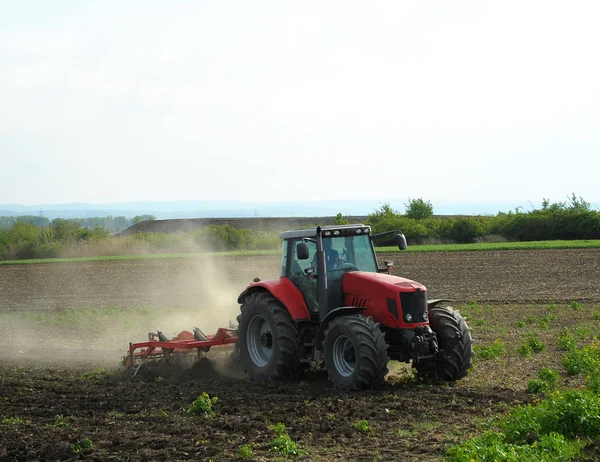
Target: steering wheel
pixel 345 266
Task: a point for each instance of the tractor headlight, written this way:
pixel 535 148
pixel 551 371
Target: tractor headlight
pixel 425 316
pixel 408 317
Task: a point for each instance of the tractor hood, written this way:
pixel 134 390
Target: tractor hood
pixel 363 282
pixel 392 301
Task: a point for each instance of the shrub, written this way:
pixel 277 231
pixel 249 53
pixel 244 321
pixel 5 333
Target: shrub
pixel 418 209
pixel 362 426
pixel 282 442
pixel 202 405
pixel 246 451
pixel 60 421
pixel 493 447
pixel 466 230
pixel 576 306
pixel 546 381
pixel 582 360
pixel 571 413
pixel 49 250
pixel 340 220
pixel 82 446
pixel 565 341
pixel 536 344
pixel 495 349
pixel 593 381
pixel 525 350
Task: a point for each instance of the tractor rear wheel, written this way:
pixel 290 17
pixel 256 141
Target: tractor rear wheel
pixel 268 339
pixel 455 343
pixel 355 353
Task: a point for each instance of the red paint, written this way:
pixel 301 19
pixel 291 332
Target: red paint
pixel 376 288
pixel 288 294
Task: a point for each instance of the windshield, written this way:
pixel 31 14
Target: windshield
pixel 341 253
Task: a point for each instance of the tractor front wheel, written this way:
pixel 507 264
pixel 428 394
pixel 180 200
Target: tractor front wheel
pixel 455 343
pixel 355 353
pixel 268 339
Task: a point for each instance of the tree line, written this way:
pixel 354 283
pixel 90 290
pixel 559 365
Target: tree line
pixel 568 220
pixel 25 238
pixel 113 224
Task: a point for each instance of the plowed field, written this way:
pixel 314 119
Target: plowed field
pixel 63 328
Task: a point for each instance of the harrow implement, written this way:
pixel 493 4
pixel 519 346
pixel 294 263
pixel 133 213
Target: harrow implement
pixel 159 346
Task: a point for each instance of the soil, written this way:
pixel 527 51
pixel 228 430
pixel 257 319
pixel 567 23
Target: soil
pixel 144 417
pixel 490 277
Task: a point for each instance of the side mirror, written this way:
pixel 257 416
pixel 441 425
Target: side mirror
pixel 302 251
pixel 400 241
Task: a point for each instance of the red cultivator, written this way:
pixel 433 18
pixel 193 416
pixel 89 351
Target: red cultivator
pixel 159 346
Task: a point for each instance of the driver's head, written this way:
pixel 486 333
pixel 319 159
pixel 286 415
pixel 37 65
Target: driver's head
pixel 326 244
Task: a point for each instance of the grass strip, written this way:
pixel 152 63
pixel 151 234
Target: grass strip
pixel 535 245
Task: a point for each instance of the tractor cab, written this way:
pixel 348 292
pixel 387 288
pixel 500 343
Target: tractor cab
pixel 344 248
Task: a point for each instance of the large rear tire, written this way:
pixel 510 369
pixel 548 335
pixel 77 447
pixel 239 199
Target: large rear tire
pixel 268 339
pixel 355 353
pixel 455 343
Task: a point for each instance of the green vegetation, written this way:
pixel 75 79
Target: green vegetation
pixel 492 447
pixel 418 209
pixel 60 421
pixel 566 341
pixel 487 246
pixel 95 374
pixel 582 360
pixel 113 224
pixel 70 238
pixel 12 421
pixel 202 405
pixel 525 350
pixel 247 253
pixel 554 429
pixel 340 220
pixel 536 344
pixel 246 451
pixel 283 443
pixel 82 446
pixel 571 224
pixel 495 349
pixel 362 426
pixel 546 381
pixel 570 220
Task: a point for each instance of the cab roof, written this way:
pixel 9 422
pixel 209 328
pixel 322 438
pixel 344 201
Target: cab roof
pixel 344 230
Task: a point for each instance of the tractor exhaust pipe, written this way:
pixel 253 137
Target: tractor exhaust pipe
pixel 321 277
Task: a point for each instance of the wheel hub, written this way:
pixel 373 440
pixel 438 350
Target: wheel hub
pixel 259 340
pixel 266 340
pixel 344 356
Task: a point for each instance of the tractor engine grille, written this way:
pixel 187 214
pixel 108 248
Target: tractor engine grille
pixel 414 306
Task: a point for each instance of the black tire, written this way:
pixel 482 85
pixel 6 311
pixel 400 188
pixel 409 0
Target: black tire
pixel 264 319
pixel 455 343
pixel 355 353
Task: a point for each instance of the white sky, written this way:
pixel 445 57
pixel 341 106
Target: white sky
pixel 112 101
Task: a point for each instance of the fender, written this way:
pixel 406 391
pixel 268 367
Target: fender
pixel 283 290
pixel 435 302
pixel 342 311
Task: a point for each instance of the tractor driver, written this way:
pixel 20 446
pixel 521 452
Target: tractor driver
pixel 332 256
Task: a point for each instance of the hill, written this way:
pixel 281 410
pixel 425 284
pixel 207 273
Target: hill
pixel 256 224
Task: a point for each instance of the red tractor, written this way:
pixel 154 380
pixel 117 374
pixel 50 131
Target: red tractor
pixel 333 303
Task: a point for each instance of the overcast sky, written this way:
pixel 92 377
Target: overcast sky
pixel 113 101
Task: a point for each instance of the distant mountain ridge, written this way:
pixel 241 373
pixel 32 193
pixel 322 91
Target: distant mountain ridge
pixel 240 209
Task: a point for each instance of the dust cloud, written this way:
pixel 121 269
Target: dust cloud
pixel 80 313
